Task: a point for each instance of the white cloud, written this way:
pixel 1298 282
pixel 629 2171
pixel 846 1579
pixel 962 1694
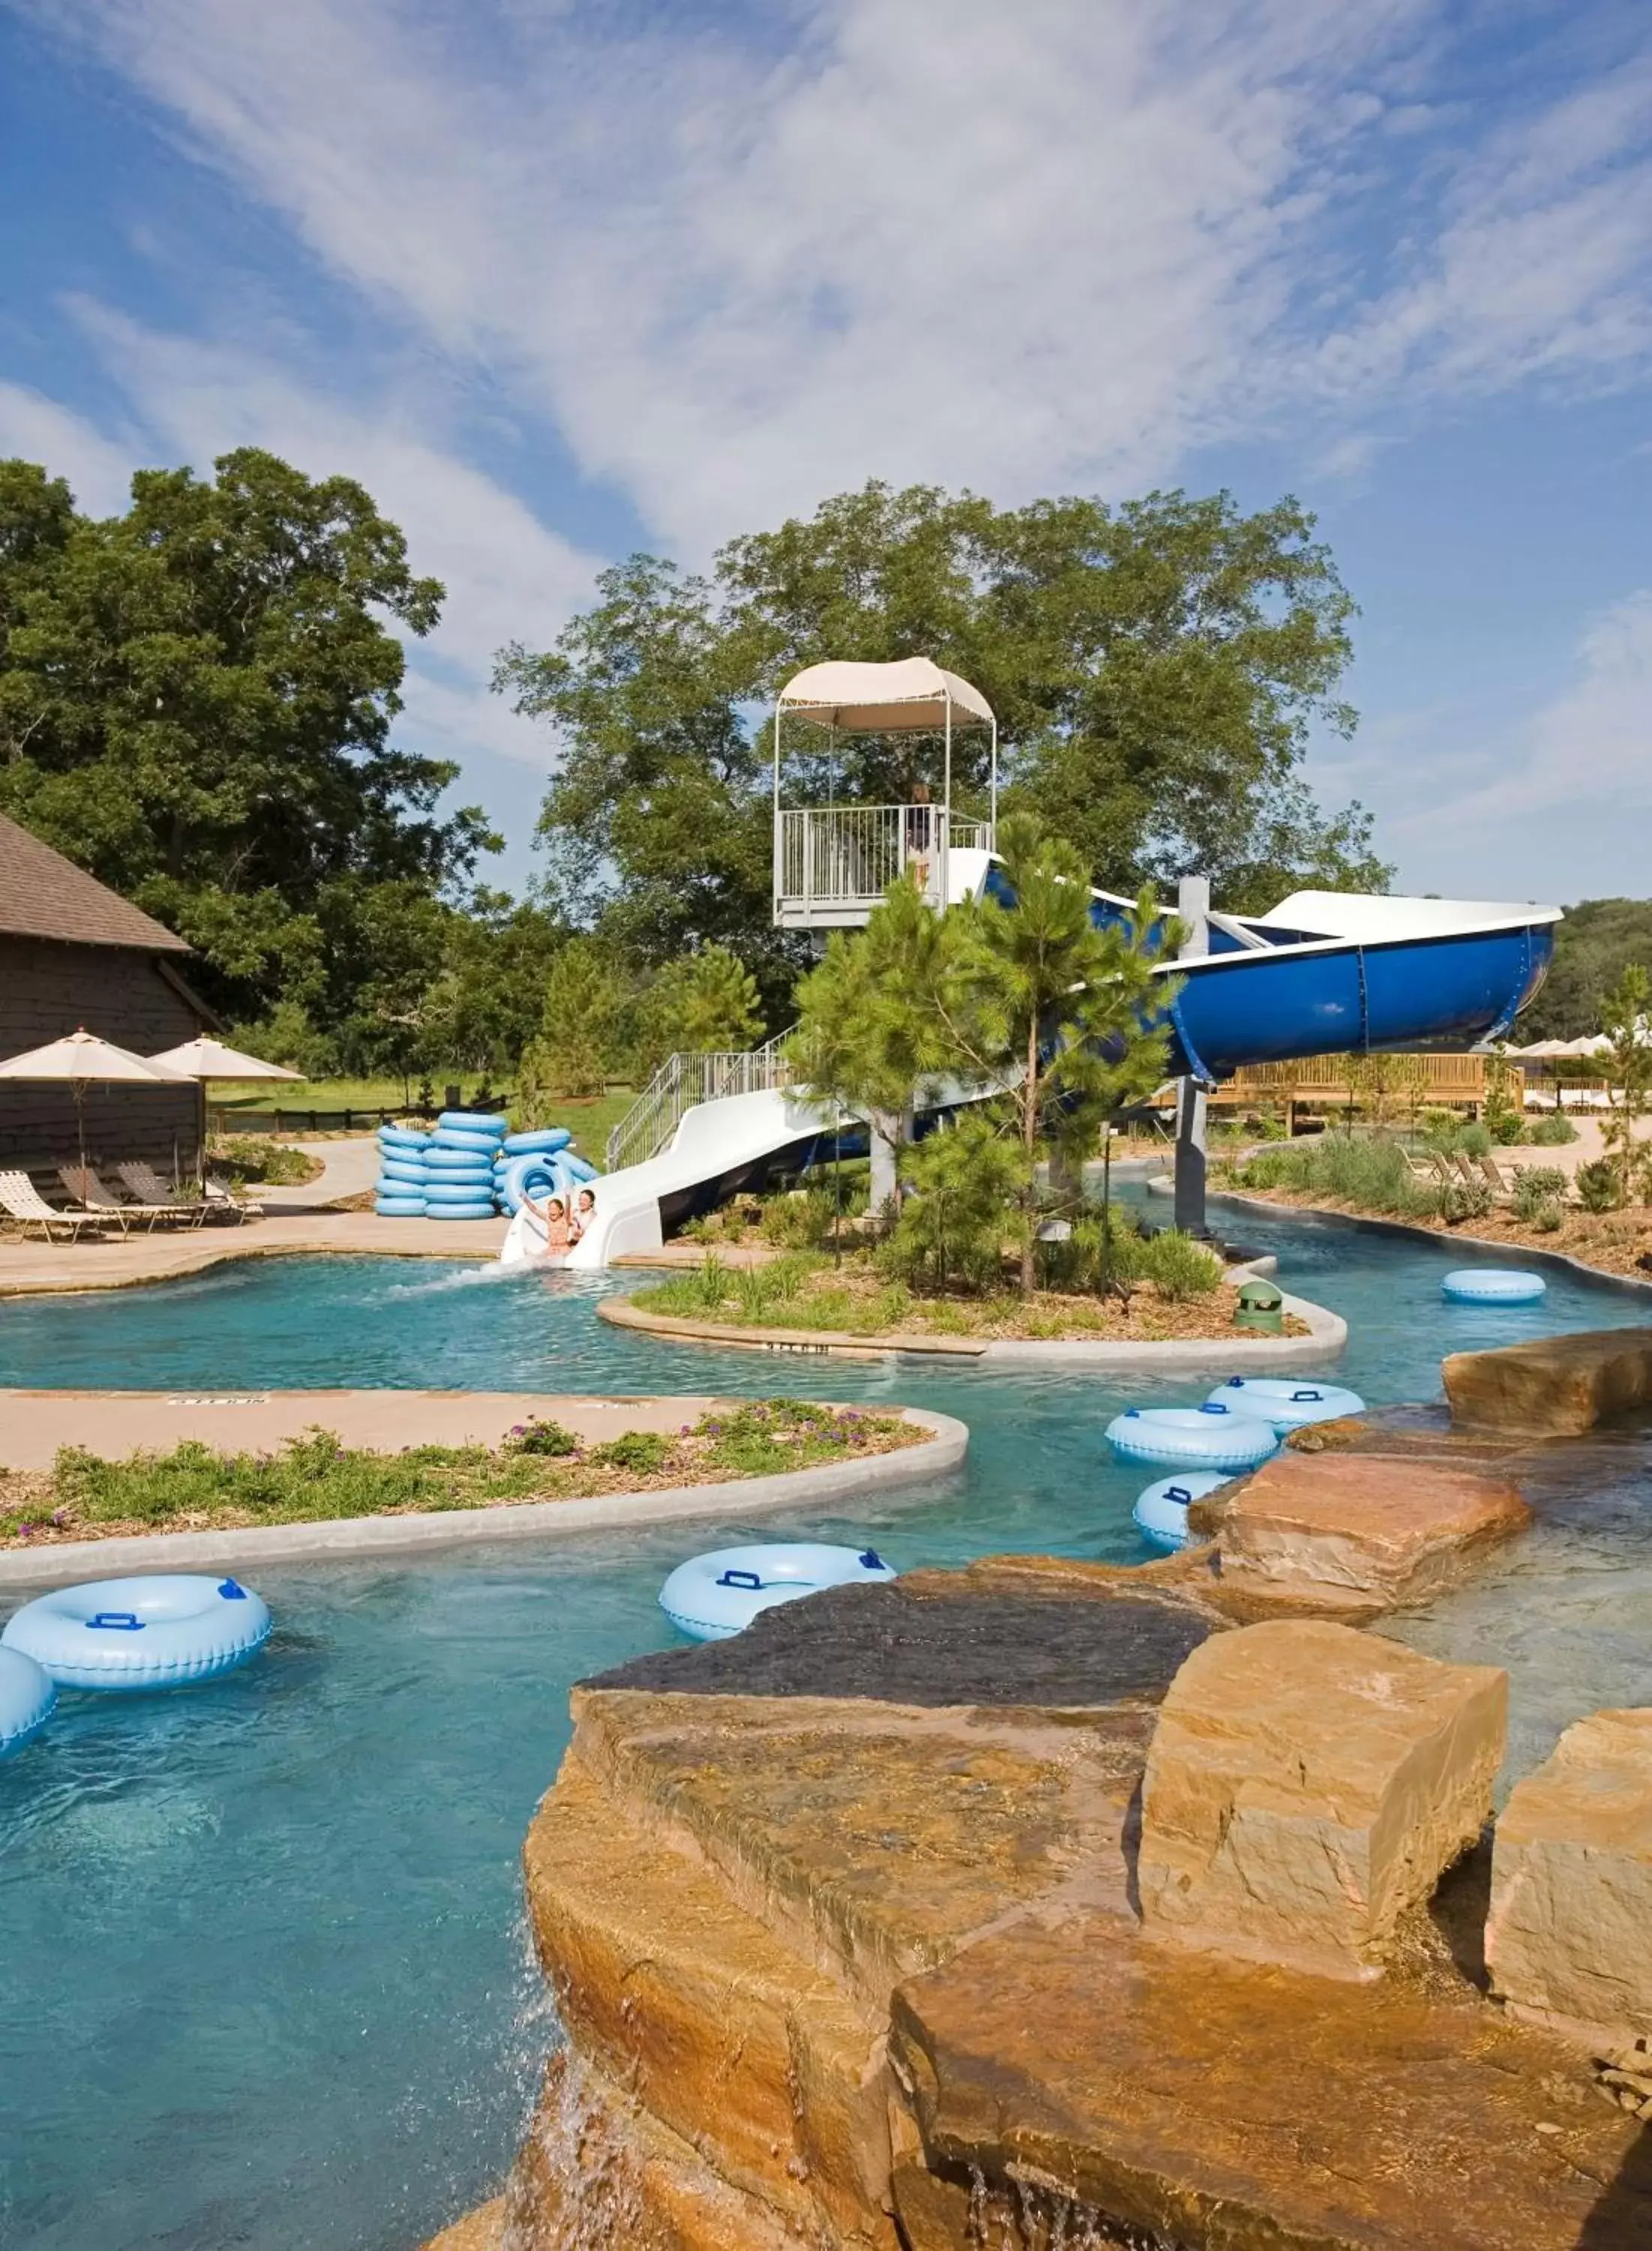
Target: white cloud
pixel 35 428
pixel 1589 750
pixel 507 576
pixel 1045 246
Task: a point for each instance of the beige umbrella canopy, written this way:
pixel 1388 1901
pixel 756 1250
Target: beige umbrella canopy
pixel 205 1058
pixel 79 1060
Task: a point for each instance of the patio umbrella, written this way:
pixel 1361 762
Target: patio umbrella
pixel 205 1058
pixel 81 1060
pixel 201 1059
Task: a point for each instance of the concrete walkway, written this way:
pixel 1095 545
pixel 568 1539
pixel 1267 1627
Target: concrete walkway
pixel 34 1425
pixel 348 1168
pixel 107 1263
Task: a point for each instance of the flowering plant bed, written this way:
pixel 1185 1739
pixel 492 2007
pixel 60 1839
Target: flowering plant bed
pixel 314 1478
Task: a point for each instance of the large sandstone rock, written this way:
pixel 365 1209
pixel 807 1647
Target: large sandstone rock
pixel 1355 1534
pixel 1553 1387
pixel 1569 1936
pixel 1236 2107
pixel 1307 1784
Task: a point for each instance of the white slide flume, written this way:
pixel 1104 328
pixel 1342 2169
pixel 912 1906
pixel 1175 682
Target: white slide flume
pixel 714 1141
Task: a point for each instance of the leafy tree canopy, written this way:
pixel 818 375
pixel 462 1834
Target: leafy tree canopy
pixel 1156 669
pixel 196 700
pixel 1592 947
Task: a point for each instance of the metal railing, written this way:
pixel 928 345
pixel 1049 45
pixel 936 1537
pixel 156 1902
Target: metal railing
pixel 837 861
pixel 683 1080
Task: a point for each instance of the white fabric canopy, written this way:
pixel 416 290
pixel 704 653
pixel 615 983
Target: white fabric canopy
pixel 82 1059
pixel 205 1058
pixel 882 699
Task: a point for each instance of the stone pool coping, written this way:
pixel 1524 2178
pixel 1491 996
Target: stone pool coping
pixel 1327 1334
pixel 351 1537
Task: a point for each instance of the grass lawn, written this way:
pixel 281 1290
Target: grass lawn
pixel 314 1477
pixel 589 1119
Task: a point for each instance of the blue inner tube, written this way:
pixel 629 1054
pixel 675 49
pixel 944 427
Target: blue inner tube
pixel 1288 1402
pixel 714 1595
pixel 1493 1286
pixel 402 1168
pixel 480 1146
pixel 535 1176
pixel 462 1164
pixel 461 1211
pixel 542 1144
pixel 399 1207
pixel 401 1137
pixel 448 1188
pixel 578 1170
pixel 160 1632
pixel 1160 1513
pixel 1214 1436
pixel 26 1697
pixel 474 1121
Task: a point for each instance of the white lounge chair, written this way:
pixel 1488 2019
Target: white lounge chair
pixel 21 1199
pixel 217 1196
pixel 145 1185
pixel 83 1186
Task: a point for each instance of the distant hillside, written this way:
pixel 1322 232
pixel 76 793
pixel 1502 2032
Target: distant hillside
pixel 1591 948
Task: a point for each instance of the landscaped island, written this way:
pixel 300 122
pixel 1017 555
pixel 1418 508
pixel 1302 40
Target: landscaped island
pixel 314 1478
pixel 856 1297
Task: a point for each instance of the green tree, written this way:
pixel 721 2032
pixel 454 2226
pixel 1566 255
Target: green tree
pixel 1593 946
pixel 1056 1009
pixel 1628 1070
pixel 583 1023
pixel 872 1038
pixel 197 699
pixel 706 1002
pixel 965 1178
pixel 487 1004
pixel 1156 670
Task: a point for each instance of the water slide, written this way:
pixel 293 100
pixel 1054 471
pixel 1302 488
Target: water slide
pixel 1325 973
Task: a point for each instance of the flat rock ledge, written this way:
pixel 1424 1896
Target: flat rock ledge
pixel 1554 1386
pixel 844 1922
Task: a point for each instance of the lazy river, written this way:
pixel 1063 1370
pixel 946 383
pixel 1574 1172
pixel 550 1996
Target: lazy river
pixel 262 1973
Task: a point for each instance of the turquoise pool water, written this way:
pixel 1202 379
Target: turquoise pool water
pixel 263 1979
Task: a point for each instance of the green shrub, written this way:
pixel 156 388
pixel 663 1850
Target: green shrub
pixel 1535 1185
pixel 643 1453
pixel 1181 1267
pixel 1554 1130
pixel 535 1437
pixel 963 1179
pixel 803 1220
pixel 1549 1216
pixel 1474 1140
pixel 1456 1201
pixel 1598 1185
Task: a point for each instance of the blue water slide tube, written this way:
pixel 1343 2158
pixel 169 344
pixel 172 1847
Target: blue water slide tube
pixel 1329 998
pixel 1330 973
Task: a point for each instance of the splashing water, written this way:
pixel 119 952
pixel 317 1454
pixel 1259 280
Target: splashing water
pixel 1025 2215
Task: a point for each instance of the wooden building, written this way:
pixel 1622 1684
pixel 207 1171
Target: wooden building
pixel 74 952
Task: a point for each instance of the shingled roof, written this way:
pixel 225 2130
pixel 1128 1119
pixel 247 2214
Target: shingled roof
pixel 43 895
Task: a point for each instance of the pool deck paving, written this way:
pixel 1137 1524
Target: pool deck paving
pixel 30 1266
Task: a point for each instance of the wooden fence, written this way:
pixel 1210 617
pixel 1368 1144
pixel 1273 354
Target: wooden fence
pixel 1400 1082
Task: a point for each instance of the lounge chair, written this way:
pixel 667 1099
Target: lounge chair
pixel 217 1197
pixel 146 1186
pixel 21 1199
pixel 82 1185
pixel 1499 1182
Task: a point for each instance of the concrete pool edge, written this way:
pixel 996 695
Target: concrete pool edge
pixel 354 1537
pixel 1327 1336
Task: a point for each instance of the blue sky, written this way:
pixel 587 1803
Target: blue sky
pixel 560 278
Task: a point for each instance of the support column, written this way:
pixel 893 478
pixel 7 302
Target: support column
pixel 1192 905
